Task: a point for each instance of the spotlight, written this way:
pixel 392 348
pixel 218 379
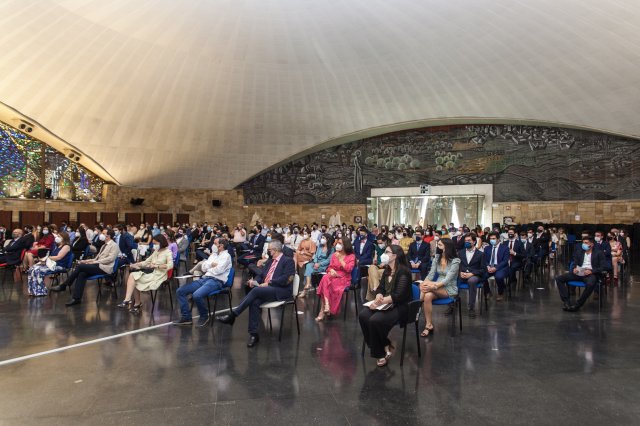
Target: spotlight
pixel 22 126
pixel 29 130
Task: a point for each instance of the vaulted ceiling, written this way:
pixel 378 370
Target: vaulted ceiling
pixel 207 93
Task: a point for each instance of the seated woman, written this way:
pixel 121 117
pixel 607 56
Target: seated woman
pixel 616 255
pixel 46 241
pixel 80 243
pixel 446 264
pixel 305 251
pixel 145 242
pixel 319 263
pixel 38 272
pixel 395 288
pixel 338 278
pixel 148 275
pixel 376 270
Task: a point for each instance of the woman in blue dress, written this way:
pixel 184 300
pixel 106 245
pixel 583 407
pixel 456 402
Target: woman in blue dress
pixel 37 273
pixel 319 263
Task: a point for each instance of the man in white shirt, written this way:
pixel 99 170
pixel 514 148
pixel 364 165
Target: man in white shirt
pixel 215 278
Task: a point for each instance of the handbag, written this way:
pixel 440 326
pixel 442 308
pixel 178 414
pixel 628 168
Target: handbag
pixel 51 264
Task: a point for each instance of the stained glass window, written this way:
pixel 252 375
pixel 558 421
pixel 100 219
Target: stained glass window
pixel 22 161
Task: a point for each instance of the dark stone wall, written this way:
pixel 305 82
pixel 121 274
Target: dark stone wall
pixel 525 163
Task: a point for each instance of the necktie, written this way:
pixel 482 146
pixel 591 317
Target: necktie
pixel 510 249
pixel 270 273
pixel 493 256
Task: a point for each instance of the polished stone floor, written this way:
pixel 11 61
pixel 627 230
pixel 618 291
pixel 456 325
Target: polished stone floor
pixel 525 361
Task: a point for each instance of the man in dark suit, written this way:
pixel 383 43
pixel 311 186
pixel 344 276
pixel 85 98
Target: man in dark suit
pixel 496 255
pixel 587 265
pixel 363 246
pixel 472 268
pixel 603 245
pixel 255 246
pixel 126 243
pixel 13 249
pixel 274 283
pixel 420 255
pixel 527 254
pixel 516 254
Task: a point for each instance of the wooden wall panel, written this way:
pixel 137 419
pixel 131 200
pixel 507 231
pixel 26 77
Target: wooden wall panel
pixel 5 219
pixel 133 218
pixel 31 218
pixel 58 217
pixel 151 218
pixel 182 218
pixel 166 218
pixel 109 218
pixel 88 218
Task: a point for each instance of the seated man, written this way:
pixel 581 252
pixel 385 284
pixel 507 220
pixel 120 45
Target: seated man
pixel 496 255
pixel 363 248
pixel 587 265
pixel 516 254
pixel 527 255
pixel 99 265
pixel 216 270
pixel 420 255
pixel 603 245
pixel 13 248
pixel 276 284
pixel 253 248
pixel 472 267
pixel 126 243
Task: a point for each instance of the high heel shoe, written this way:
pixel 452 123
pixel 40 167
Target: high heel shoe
pixel 136 309
pixel 125 304
pixel 427 331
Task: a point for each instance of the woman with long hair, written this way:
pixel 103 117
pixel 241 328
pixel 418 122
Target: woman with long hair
pixel 338 278
pixel 446 265
pixel 39 270
pixel 394 290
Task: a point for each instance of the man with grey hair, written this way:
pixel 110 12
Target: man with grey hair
pixel 274 283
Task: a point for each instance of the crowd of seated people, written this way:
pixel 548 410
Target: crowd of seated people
pixel 328 260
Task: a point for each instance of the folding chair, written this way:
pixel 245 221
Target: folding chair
pixel 283 303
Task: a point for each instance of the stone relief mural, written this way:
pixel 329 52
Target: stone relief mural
pixel 524 163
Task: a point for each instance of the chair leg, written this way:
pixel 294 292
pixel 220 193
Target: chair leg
pixel 281 322
pixel 295 313
pixel 355 300
pixel 170 295
pixel 346 305
pixel 209 306
pixel 362 352
pixel 270 325
pixel 404 338
pixel 460 313
pixel 153 299
pixel 418 339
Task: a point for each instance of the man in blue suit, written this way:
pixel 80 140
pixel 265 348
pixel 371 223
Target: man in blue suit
pixel 255 246
pixel 497 257
pixel 126 243
pixel 273 283
pixel 516 253
pixel 363 246
pixel 420 254
pixel 472 269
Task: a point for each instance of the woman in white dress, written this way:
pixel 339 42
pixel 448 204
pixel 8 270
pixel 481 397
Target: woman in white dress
pixel 148 275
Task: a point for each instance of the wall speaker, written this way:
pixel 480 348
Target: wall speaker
pixel 216 203
pixel 72 155
pixel 137 201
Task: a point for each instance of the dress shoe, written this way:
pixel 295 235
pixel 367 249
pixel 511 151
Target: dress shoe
pixel 573 308
pixel 73 302
pixel 227 319
pixel 565 306
pixel 58 288
pixel 253 340
pixel 183 321
pixel 449 311
pixel 499 298
pixel 202 321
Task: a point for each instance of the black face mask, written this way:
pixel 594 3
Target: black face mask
pixel 439 250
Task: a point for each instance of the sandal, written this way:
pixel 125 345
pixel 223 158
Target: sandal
pixel 427 331
pixel 381 362
pixel 125 304
pixel 136 309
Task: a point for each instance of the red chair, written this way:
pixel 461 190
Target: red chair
pixel 8 267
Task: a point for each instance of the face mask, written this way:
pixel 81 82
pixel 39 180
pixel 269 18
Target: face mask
pixel 323 242
pixel 117 232
pixel 523 239
pixel 493 242
pixel 436 238
pixel 102 237
pixel 338 247
pixel 438 250
pixel 468 244
pixel 610 238
pixel 45 232
pixel 305 236
pixel 598 239
pixel 384 259
pixel 511 236
pixel 540 231
pixel 268 239
pixel 155 227
pixel 530 235
pixel 418 239
pixel 339 235
pixel 295 232
pixel 363 236
pixel 381 245
pixel 585 247
pixel 15 236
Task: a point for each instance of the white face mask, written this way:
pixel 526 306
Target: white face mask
pixel 58 240
pixel 436 238
pixel 384 259
pixel 102 237
pixel 45 231
pixel 338 247
pixel 323 242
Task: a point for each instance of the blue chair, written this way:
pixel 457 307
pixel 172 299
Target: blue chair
pixel 479 286
pixel 214 294
pixel 113 275
pixel 450 301
pixel 66 263
pixel 580 284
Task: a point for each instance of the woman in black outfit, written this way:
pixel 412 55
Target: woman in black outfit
pixel 80 243
pixel 395 287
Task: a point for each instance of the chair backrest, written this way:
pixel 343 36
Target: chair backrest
pixel 296 284
pixel 87 251
pixel 116 265
pixel 413 311
pixel 415 290
pixel 232 275
pixel 571 238
pixel 169 274
pixel 355 274
pixel 69 260
pixel 23 254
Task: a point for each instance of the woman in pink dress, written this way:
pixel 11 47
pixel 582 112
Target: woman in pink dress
pixel 337 278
